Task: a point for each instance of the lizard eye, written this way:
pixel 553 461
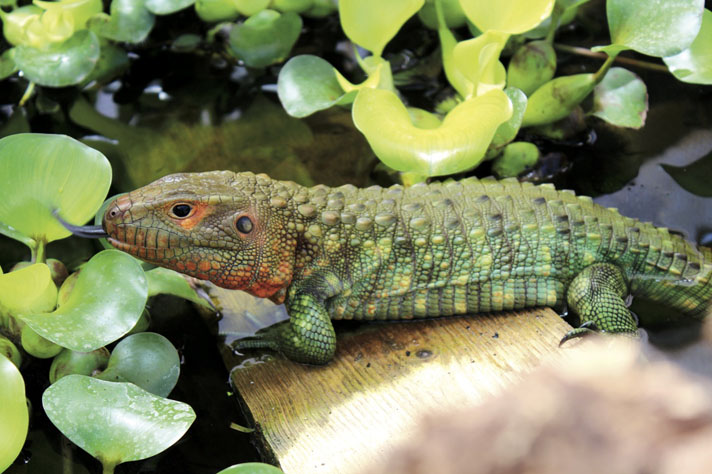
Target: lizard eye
pixel 244 224
pixel 181 210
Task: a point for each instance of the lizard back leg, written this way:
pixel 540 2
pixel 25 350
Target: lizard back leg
pixel 307 337
pixel 597 295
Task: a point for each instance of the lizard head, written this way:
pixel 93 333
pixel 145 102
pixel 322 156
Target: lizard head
pixel 216 226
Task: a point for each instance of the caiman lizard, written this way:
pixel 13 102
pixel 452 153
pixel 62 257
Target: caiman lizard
pixel 439 249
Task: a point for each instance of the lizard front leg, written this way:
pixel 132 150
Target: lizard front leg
pixel 597 295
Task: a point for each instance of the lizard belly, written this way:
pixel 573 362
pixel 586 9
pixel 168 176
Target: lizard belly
pixel 447 300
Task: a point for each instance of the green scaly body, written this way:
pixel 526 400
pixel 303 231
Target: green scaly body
pixel 395 253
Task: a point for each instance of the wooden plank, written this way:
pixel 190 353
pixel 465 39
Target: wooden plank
pixel 385 377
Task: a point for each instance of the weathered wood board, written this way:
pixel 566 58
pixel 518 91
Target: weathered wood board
pixel 384 378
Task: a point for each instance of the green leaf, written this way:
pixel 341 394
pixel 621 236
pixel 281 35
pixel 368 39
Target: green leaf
pixel 60 64
pixel 146 359
pixel 70 362
pixel 532 65
pixel 106 302
pixel 508 130
pixel 115 422
pixel 507 16
pixel 250 7
pixel 216 10
pixel 265 38
pixel 165 281
pixel 454 146
pixel 113 61
pixel 129 22
pixel 165 7
pixel 28 290
pixel 9 350
pixel 516 158
pixel 694 177
pixel 478 61
pixel 557 98
pixel 654 28
pixel 14 418
pixel 296 6
pixel 371 24
pixel 8 67
pixel 251 468
pixel 694 64
pixel 36 345
pixel 621 98
pixel 307 84
pixel 40 173
pixel 452 14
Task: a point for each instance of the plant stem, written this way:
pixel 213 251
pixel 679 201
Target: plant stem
pixel 28 93
pixel 598 76
pixel 629 61
pixel 38 252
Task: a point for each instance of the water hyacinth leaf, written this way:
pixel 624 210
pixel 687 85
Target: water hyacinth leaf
pixel 28 290
pixel 168 282
pixel 507 16
pixel 379 76
pixel 694 64
pixel 478 60
pixel 15 23
pixel 371 24
pixel 508 130
pixel 113 60
pixel 423 119
pixel 452 147
pixel 113 421
pixel 251 468
pixel 265 38
pixel 9 350
pixel 216 10
pixel 70 362
pixel 166 7
pixel 693 177
pixel 40 173
pixel 36 345
pixel 8 67
pixel 307 84
pixel 146 359
pixel 516 158
pixel 106 302
pixel 452 12
pixel 621 98
pixel 129 22
pixel 296 6
pixel 60 64
pixel 250 7
pixel 641 25
pixel 557 98
pixel 13 413
pixel 532 65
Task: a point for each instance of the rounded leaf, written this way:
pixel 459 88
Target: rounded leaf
pixel 28 290
pixel 250 7
pixel 265 38
pixel 14 418
pixel 165 7
pixel 40 173
pixel 251 468
pixel 106 302
pixel 36 345
pixel 216 10
pixel 60 64
pixel 516 158
pixel 168 282
pixel 507 16
pixel 694 64
pixel 454 146
pixel 146 359
pixel 70 362
pixel 621 98
pixel 478 60
pixel 654 28
pixel 371 24
pixel 508 130
pixel 307 84
pixel 532 65
pixel 557 98
pixel 452 14
pixel 130 21
pixel 115 422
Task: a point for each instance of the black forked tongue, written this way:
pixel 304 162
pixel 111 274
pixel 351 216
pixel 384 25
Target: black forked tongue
pixel 88 231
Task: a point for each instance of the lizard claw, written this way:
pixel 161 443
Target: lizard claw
pixel 586 329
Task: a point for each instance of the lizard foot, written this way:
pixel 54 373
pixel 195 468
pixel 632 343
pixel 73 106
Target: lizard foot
pixel 266 338
pixel 586 329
